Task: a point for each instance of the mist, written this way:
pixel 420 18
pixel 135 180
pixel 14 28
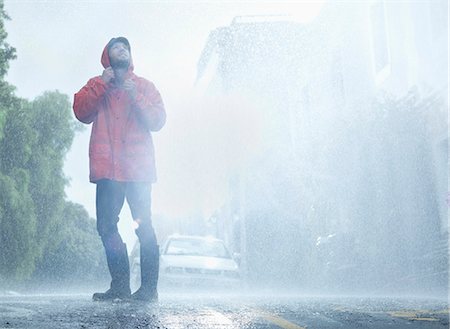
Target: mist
pixel 310 137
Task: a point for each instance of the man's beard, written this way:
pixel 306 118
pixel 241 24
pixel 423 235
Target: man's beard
pixel 120 64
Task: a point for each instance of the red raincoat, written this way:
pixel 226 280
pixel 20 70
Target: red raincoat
pixel 121 145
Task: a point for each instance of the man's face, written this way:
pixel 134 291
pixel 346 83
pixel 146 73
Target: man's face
pixel 119 55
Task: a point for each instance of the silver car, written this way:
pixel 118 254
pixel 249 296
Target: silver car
pixel 196 261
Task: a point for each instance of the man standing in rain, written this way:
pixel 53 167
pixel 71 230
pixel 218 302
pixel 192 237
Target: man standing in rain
pixel 124 109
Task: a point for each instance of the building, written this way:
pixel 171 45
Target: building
pixel 334 157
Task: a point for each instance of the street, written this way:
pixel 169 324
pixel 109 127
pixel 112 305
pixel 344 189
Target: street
pixel 293 154
pixel 223 311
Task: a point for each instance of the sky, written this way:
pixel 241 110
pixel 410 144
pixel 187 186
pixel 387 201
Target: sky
pixel 59 44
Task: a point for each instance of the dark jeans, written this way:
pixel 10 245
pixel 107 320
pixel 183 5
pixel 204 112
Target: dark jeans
pixel 109 202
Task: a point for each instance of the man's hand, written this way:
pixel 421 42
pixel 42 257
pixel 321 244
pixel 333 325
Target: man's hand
pixel 108 74
pixel 130 86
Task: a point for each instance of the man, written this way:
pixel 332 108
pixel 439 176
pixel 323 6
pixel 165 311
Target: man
pixel 124 109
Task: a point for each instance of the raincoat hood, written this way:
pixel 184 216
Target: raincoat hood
pixel 105 54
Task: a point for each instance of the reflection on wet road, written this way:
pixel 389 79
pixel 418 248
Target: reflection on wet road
pixel 224 312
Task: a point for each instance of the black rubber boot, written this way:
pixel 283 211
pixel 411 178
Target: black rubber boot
pixel 110 295
pixel 148 291
pixel 119 268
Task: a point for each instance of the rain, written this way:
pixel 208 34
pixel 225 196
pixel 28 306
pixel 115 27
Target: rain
pixel 305 153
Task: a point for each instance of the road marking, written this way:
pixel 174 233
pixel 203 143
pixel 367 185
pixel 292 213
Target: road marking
pixel 201 318
pixel 280 322
pixel 403 314
pixel 414 316
pixel 217 318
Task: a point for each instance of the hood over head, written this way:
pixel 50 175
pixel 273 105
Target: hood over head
pixel 105 54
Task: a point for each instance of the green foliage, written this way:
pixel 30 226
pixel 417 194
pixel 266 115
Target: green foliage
pixel 52 122
pixel 41 235
pixel 39 228
pixel 6 51
pixel 19 138
pixel 78 254
pixel 7 100
pixel 37 136
pixel 18 227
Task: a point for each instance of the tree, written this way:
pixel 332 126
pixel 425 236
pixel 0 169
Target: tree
pixel 39 228
pixel 53 125
pixel 17 220
pixel 18 228
pixel 37 135
pixel 77 258
pixel 7 53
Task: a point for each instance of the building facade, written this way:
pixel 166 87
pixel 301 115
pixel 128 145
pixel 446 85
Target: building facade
pixel 348 160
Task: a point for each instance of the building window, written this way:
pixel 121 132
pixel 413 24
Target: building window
pixel 380 41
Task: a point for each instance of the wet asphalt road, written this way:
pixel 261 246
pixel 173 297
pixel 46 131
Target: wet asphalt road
pixel 223 312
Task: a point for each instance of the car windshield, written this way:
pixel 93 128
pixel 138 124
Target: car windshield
pixel 197 247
